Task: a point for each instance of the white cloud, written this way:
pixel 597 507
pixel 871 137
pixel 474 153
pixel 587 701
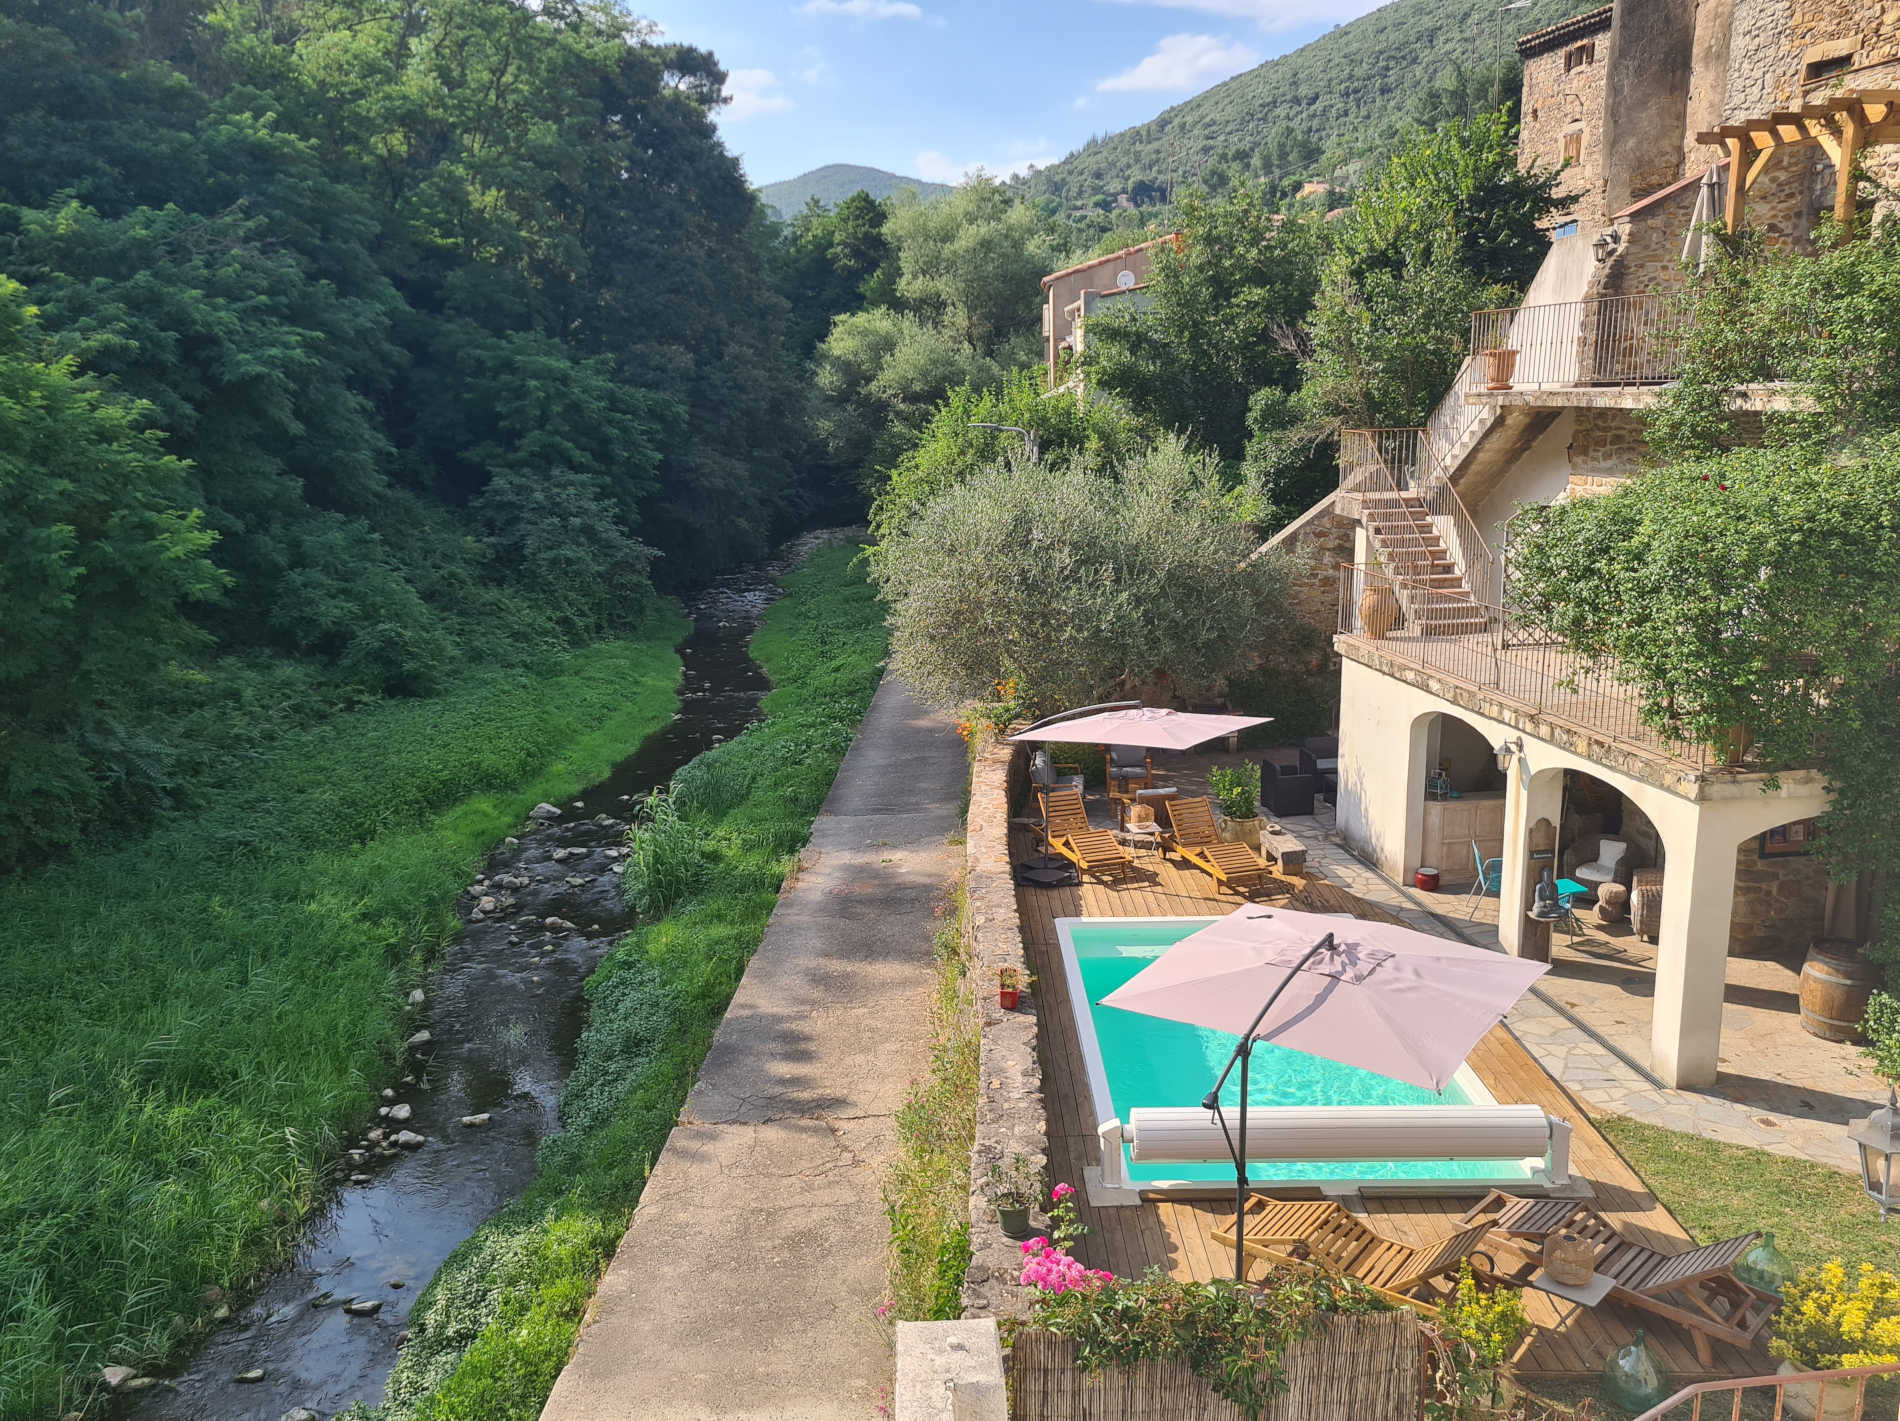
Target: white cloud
pixel 1270 14
pixel 935 167
pixel 864 9
pixel 750 92
pixel 1181 64
pixel 815 69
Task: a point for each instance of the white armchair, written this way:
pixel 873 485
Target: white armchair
pixel 1594 875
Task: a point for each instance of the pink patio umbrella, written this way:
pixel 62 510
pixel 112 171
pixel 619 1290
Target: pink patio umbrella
pixel 1152 727
pixel 1377 996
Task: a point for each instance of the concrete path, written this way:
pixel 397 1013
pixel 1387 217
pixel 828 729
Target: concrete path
pixel 747 1284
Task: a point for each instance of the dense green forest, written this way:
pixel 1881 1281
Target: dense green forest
pixel 351 345
pixel 834 182
pixel 1304 115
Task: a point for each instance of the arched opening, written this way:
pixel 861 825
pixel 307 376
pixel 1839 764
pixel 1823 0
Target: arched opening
pixel 1460 799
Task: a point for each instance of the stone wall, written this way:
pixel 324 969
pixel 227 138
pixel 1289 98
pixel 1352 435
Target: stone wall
pixel 1010 1119
pixel 1780 902
pixel 1319 540
pixel 1606 447
pixel 1559 103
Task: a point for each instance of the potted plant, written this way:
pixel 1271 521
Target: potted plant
pixel 1236 791
pixel 1832 1320
pixel 1009 986
pixel 1500 364
pixel 1013 1191
pixel 1379 609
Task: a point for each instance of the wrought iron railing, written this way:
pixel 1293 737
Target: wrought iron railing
pixel 1479 643
pixel 1404 461
pixel 1609 340
pixel 1848 1404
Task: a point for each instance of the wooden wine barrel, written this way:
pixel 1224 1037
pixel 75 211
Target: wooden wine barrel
pixel 1836 981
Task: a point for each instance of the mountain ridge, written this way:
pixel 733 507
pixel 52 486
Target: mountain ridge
pixel 834 182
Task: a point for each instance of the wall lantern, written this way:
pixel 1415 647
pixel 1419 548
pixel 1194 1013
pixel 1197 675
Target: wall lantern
pixel 1506 751
pixel 1879 1140
pixel 1605 244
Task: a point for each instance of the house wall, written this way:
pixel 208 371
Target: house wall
pixel 1606 448
pixel 1318 541
pixel 1065 288
pixel 1559 103
pixel 1539 475
pixel 1780 902
pixel 1651 52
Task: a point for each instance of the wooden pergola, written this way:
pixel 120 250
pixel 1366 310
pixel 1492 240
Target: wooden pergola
pixel 1842 125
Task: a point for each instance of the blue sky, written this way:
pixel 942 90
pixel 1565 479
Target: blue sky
pixel 933 88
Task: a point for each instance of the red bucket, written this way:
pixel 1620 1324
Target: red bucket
pixel 1426 879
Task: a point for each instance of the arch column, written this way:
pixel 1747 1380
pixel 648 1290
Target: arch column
pixel 1534 795
pixel 1685 1031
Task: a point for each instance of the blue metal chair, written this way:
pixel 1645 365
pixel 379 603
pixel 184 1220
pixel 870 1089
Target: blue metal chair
pixel 1490 879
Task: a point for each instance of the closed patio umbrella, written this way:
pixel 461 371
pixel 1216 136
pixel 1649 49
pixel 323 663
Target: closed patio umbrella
pixel 1379 996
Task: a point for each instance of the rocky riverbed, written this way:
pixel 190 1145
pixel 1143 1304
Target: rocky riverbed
pixel 490 1041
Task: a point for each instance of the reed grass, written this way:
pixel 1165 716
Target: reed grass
pixel 195 1016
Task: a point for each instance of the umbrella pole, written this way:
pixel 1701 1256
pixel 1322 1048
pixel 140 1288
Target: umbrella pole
pixel 1243 1053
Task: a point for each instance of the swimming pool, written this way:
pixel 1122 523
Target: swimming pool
pixel 1138 1061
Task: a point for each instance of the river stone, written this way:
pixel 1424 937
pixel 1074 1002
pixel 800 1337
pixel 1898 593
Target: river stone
pixel 488 905
pixel 139 1384
pixel 558 925
pixel 475 1122
pixel 359 1179
pixel 580 804
pixel 300 1413
pixel 363 1307
pixel 255 1374
pixel 383 1110
pixel 576 881
pixel 221 1312
pixel 116 1377
pixel 417 997
pixel 400 1112
pixel 409 1140
pixel 545 812
pixel 396 1283
pixel 419 1040
pixel 511 842
pixel 375 1137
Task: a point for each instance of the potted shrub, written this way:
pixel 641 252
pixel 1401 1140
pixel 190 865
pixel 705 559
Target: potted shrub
pixel 1831 1320
pixel 1013 1191
pixel 1009 985
pixel 1236 791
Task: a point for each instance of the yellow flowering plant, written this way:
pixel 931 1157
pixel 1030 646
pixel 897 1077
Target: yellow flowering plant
pixel 1828 1321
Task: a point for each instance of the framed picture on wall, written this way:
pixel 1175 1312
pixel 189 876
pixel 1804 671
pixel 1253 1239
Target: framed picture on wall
pixel 1785 839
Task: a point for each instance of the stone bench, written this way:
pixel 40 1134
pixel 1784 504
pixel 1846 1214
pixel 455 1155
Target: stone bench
pixel 1287 852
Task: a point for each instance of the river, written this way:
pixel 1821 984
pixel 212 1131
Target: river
pixel 502 1014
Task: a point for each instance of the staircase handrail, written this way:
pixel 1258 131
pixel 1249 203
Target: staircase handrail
pixel 1472 550
pixel 1365 466
pixel 1360 474
pixel 1780 1381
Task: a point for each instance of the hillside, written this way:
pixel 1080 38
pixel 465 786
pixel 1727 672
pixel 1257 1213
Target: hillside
pixel 834 182
pixel 1346 90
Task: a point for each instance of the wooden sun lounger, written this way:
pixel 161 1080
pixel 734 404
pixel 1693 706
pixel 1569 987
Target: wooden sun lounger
pixel 1696 1289
pixel 1322 1234
pixel 1195 838
pixel 1068 832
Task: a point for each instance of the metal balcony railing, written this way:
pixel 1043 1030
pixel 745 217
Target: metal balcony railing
pixel 1479 643
pixel 1607 341
pixel 1404 462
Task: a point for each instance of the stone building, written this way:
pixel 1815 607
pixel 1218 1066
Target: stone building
pixel 1073 294
pixel 1655 110
pixel 1562 128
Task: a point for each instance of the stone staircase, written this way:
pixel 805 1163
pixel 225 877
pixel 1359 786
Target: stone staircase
pixel 1432 590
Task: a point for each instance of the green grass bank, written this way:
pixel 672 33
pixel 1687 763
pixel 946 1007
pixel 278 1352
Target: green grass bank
pixel 495 1326
pixel 195 1016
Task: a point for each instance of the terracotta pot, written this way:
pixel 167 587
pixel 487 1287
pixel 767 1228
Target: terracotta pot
pixel 1242 831
pixel 1499 367
pixel 1425 879
pixel 1378 611
pixel 1802 1403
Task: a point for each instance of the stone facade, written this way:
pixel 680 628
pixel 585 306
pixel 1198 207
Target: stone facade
pixel 1564 72
pixel 1319 540
pixel 1010 1119
pixel 1606 447
pixel 1780 902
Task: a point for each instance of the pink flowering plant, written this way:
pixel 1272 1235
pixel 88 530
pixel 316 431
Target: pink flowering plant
pixel 1065 1225
pixel 1047 1263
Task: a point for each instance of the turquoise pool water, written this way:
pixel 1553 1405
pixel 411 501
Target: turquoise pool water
pixel 1151 1062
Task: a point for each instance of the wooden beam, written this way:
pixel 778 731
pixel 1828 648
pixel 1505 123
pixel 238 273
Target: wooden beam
pixel 1853 134
pixel 1754 168
pixel 1737 187
pixel 1824 136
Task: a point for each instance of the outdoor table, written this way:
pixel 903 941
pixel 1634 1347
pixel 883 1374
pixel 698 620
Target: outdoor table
pixel 1590 1294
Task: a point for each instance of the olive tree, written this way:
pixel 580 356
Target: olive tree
pixel 1079 582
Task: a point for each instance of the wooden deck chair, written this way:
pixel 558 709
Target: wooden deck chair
pixel 1697 1288
pixel 1321 1234
pixel 1195 839
pixel 1067 831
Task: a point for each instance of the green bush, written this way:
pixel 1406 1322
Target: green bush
pixel 495 1325
pixel 664 864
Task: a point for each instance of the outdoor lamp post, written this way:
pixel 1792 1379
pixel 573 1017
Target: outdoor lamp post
pixel 1878 1139
pixel 1497 55
pixel 1505 751
pixel 1030 447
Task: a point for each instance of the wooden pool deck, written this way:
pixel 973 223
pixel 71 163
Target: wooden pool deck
pixel 1567 1341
